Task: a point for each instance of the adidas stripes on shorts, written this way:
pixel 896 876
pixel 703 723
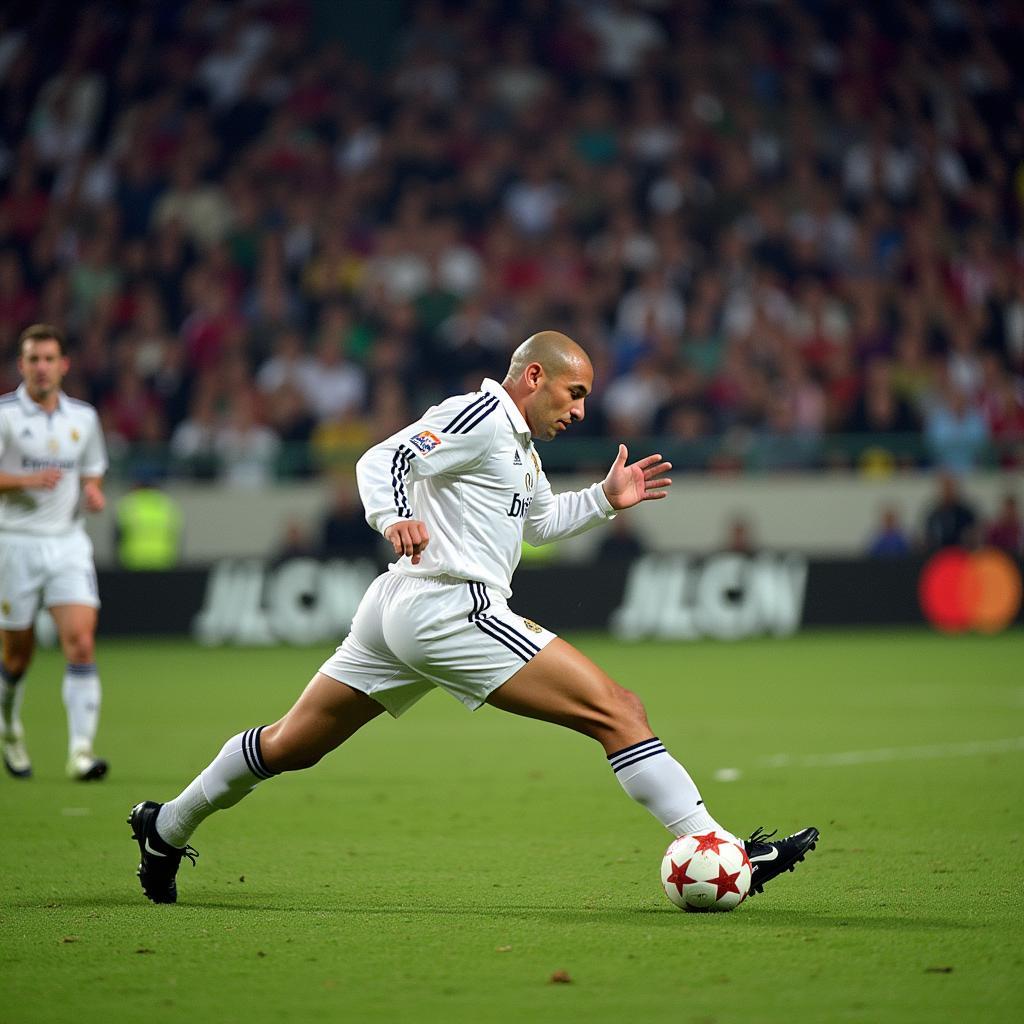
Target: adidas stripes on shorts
pixel 413 633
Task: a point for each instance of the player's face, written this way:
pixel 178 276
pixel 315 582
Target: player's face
pixel 559 401
pixel 42 367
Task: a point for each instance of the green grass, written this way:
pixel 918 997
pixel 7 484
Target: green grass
pixel 442 867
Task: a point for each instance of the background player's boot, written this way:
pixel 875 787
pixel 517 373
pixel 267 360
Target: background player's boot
pixel 16 759
pixel 770 859
pixel 84 766
pixel 160 860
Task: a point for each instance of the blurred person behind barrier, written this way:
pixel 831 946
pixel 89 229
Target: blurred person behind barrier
pixel 148 527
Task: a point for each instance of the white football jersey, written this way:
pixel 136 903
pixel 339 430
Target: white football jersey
pixel 469 470
pixel 31 439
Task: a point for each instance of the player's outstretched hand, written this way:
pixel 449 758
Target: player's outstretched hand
pixel 645 480
pixel 409 537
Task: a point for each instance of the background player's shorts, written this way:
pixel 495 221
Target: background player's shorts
pixel 58 569
pixel 411 634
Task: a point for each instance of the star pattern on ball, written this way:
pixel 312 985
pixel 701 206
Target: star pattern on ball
pixel 710 841
pixel 679 877
pixel 725 882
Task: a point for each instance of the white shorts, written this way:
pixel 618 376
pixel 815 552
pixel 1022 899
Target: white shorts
pixel 411 634
pixel 59 569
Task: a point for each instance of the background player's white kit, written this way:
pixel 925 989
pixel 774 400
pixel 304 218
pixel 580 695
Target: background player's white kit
pixel 52 458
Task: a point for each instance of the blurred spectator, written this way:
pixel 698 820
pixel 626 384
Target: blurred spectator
pixel 148 527
pixel 778 197
pixel 889 539
pixel 1006 531
pixel 246 449
pixel 620 543
pixel 344 532
pixel 739 537
pixel 955 431
pixel 950 520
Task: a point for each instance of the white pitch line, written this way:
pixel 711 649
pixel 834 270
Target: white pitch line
pixel 840 759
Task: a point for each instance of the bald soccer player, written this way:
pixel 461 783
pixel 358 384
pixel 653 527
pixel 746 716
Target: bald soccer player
pixel 455 494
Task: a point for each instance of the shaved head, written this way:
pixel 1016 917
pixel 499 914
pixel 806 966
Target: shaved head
pixel 557 354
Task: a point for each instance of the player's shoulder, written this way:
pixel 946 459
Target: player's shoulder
pixel 464 414
pixel 9 403
pixel 79 407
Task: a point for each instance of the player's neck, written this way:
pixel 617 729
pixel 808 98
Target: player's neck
pixel 48 403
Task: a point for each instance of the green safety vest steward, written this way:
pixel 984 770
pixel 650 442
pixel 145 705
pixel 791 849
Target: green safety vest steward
pixel 149 527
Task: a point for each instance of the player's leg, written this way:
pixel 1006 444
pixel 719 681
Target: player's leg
pixel 325 715
pixel 563 686
pixel 76 628
pixel 17 647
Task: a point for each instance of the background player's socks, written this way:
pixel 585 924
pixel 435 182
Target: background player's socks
pixel 233 774
pixel 652 777
pixel 82 697
pixel 11 696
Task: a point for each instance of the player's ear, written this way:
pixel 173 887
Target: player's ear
pixel 534 373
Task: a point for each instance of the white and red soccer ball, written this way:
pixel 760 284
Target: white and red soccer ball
pixel 706 871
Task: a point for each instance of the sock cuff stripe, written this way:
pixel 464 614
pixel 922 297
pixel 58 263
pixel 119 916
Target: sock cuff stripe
pixel 636 752
pixel 252 755
pixel 82 670
pixel 11 678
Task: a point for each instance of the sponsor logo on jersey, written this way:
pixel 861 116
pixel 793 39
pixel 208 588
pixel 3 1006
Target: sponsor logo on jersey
pixel 519 507
pixel 531 625
pixel 425 442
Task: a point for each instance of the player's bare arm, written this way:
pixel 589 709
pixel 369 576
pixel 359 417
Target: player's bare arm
pixel 92 494
pixel 409 537
pixel 44 479
pixel 644 480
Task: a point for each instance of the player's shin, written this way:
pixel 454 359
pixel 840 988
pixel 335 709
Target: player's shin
pixel 12 693
pixel 233 774
pixel 82 695
pixel 655 779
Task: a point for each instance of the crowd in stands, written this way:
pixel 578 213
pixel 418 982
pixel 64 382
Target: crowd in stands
pixel 772 225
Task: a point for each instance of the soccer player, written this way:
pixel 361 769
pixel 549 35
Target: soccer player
pixel 455 494
pixel 52 458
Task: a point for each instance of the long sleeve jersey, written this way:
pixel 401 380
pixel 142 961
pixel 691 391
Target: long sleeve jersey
pixel 31 439
pixel 469 470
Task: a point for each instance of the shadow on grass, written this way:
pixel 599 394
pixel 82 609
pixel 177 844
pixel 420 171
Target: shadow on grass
pixel 624 914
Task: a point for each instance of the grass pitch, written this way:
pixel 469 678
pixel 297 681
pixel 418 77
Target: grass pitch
pixel 448 866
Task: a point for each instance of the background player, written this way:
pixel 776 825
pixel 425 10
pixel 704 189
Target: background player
pixel 455 494
pixel 51 456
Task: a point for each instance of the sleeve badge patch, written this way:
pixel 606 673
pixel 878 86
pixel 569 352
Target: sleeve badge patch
pixel 425 442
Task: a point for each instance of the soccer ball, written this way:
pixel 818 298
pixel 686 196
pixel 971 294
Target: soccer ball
pixel 706 871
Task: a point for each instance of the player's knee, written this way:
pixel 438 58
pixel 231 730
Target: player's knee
pixel 630 711
pixel 16 662
pixel 283 752
pixel 79 647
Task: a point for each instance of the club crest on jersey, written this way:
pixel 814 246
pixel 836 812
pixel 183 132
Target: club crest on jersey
pixel 75 435
pixel 531 625
pixel 5 607
pixel 425 442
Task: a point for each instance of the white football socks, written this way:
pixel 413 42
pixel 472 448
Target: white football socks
pixel 82 696
pixel 655 779
pixel 233 774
